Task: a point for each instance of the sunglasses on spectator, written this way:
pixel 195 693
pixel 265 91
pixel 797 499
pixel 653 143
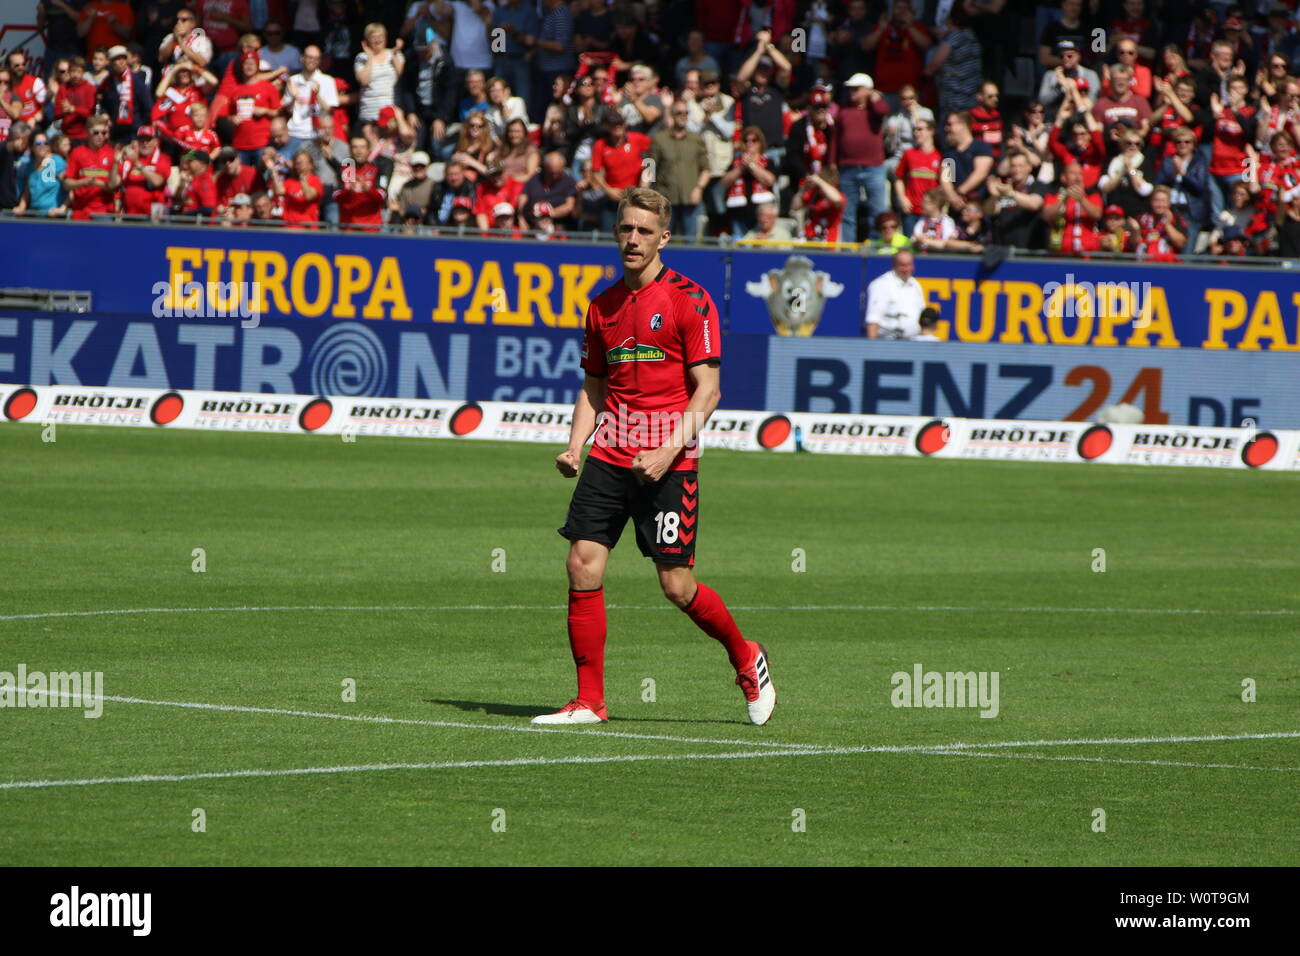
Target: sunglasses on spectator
pixel 40 142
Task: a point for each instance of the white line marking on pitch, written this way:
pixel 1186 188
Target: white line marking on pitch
pixel 458 725
pixel 368 768
pixel 553 761
pixel 1151 763
pixel 646 607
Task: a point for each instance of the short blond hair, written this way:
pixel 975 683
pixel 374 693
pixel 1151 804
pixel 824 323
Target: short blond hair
pixel 373 28
pixel 644 198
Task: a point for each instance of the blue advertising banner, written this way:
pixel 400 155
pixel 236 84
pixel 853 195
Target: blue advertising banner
pixel 175 272
pixel 163 271
pixel 309 357
pixel 1048 302
pixel 1048 383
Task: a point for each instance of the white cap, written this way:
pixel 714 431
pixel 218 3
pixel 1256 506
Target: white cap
pixel 503 209
pixel 860 79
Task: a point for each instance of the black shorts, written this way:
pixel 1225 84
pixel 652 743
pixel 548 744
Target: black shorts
pixel 665 512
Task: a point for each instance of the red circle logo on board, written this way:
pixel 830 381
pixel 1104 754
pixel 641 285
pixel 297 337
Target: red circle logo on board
pixel 1259 450
pixel 20 404
pixel 315 414
pixel 466 418
pixel 933 436
pixel 167 408
pixel 773 431
pixel 1095 442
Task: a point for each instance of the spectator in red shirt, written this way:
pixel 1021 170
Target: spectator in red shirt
pixel 1175 109
pixel 1232 153
pixel 177 93
pixel 75 102
pixel 1161 233
pixel 141 172
pixel 233 177
pixel 105 23
pixel 251 105
pixel 616 164
pixel 194 134
pixel 224 21
pixel 1075 141
pixel 30 89
pixel 917 174
pixel 362 197
pixel 749 183
pixel 494 189
pixel 1072 214
pixel 900 42
pixel 300 193
pixel 823 206
pixel 986 120
pixel 1126 53
pixel 1123 103
pixel 87 177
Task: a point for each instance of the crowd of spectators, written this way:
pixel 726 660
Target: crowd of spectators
pixel 1152 127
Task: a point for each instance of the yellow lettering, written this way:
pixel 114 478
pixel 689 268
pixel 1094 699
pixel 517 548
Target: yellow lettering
pixel 177 275
pixel 1227 311
pixel 535 284
pixel 454 281
pixel 1082 312
pixel 577 285
pixel 269 272
pixel 388 290
pixel 324 284
pixel 1266 323
pixel 354 276
pixel 487 292
pixel 1155 319
pixel 1024 308
pixel 1116 309
pixel 935 289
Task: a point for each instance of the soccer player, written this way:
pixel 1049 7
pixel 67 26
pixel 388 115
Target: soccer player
pixel 651 355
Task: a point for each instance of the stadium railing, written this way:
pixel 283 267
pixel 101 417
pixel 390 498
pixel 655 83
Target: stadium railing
pixel 596 236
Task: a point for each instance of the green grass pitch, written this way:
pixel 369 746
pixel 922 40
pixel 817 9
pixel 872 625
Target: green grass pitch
pixel 956 566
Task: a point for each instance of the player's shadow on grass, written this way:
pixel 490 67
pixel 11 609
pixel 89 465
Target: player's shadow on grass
pixel 530 710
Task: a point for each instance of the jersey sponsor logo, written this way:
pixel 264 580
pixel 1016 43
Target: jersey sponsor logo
pixel 707 347
pixel 633 351
pixel 657 322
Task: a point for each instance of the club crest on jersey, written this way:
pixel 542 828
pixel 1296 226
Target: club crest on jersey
pixel 632 351
pixel 656 322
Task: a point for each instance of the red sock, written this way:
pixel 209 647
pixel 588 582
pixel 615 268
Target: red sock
pixel 711 616
pixel 587 641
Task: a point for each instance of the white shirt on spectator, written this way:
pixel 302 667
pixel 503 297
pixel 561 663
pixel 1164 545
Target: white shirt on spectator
pixel 298 91
pixel 895 305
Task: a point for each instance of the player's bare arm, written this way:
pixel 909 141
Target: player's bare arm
pixel 654 464
pixel 585 410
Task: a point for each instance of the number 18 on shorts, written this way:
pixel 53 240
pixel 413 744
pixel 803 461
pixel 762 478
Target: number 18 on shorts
pixel 664 513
